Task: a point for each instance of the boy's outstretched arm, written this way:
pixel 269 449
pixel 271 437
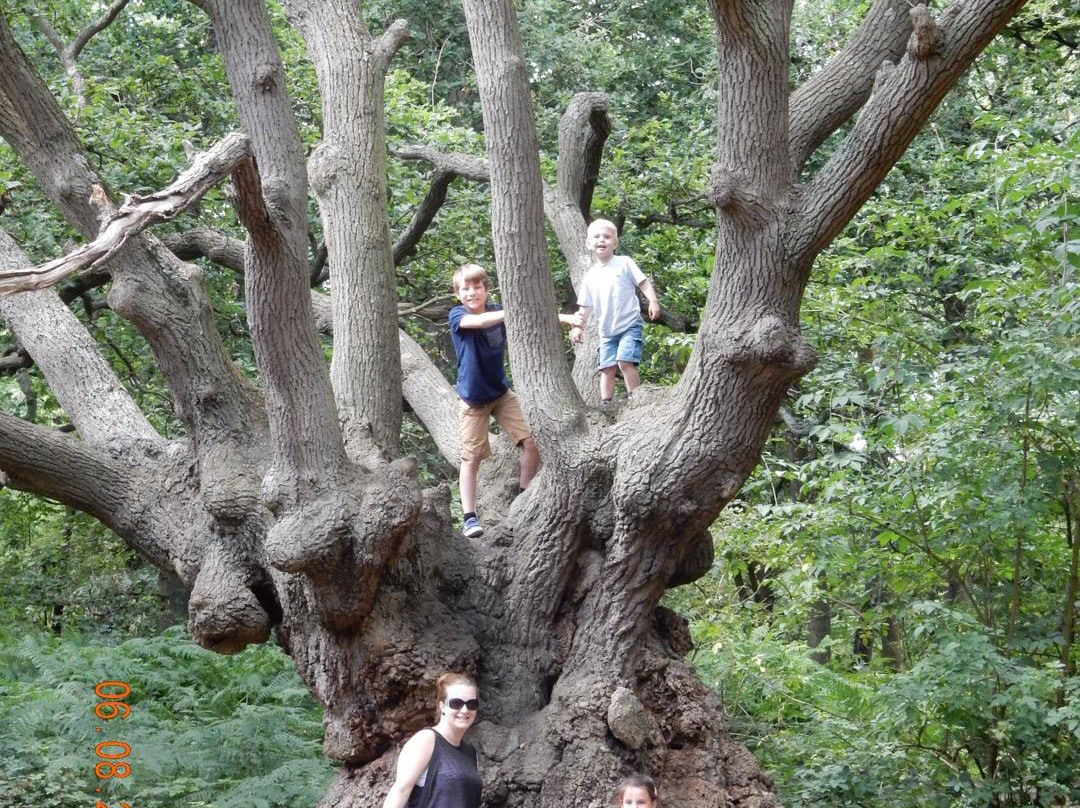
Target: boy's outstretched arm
pixel 650 294
pixel 482 320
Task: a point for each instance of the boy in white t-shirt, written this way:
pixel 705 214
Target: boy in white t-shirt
pixel 608 288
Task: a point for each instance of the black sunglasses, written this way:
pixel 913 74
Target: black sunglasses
pixel 468 704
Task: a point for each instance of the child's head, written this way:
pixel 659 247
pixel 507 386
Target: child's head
pixel 601 239
pixel 636 791
pixel 468 275
pixel 603 226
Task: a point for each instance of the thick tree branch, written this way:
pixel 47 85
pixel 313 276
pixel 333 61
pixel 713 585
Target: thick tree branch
pixel 746 353
pixel 272 205
pixel 135 215
pixel 461 165
pixel 547 392
pixel 348 175
pixel 583 130
pixel 80 378
pixel 337 523
pixel 581 148
pixel 904 96
pixel 45 462
pixel 396 35
pixel 431 397
pixel 838 89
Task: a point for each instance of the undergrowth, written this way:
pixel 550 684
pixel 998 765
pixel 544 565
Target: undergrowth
pixel 205 731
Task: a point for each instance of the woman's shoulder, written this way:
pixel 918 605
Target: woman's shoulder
pixel 422 741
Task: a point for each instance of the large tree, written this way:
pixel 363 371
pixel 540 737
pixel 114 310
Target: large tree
pixel 288 506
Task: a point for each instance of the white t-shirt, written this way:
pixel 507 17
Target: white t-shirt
pixel 610 290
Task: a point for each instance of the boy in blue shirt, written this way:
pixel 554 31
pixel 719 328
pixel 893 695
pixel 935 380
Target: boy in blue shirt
pixel 479 337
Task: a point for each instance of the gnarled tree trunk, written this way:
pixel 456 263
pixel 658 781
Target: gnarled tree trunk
pixel 289 507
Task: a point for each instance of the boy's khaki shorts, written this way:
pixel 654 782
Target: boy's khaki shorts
pixel 475 421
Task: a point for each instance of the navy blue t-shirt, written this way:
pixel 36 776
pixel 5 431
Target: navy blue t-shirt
pixel 481 378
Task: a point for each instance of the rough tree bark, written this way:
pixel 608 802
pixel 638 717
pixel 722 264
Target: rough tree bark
pixel 287 508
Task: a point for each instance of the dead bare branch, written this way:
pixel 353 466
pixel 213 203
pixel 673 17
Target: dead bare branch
pixel 135 215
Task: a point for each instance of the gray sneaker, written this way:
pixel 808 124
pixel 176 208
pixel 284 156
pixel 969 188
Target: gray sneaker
pixel 471 529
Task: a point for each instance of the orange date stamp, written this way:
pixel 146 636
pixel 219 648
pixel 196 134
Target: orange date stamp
pixel 111 764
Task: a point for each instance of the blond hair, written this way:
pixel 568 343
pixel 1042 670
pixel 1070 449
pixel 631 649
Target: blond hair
pixel 606 224
pixel 469 272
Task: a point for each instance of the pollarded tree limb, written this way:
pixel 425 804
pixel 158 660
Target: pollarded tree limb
pixel 45 462
pixel 583 130
pixel 135 215
pixel 87 388
pixel 752 112
pixel 387 45
pixel 431 398
pixel 549 398
pixel 833 94
pixel 161 296
pixel 704 437
pixel 302 422
pixel 903 98
pixel 338 524
pixel 271 202
pixel 347 171
pixel 148 499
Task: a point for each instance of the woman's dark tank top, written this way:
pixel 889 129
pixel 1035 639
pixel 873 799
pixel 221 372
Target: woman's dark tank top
pixel 453 780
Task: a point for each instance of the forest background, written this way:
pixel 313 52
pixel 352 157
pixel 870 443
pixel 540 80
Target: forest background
pixel 891 617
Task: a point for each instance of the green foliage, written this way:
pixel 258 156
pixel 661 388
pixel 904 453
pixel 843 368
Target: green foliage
pixel 204 730
pixel 61 570
pixel 919 483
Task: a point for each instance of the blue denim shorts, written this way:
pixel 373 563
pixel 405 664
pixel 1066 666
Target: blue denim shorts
pixel 624 347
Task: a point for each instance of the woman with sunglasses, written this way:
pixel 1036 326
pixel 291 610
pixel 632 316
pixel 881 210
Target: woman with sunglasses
pixel 437 766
